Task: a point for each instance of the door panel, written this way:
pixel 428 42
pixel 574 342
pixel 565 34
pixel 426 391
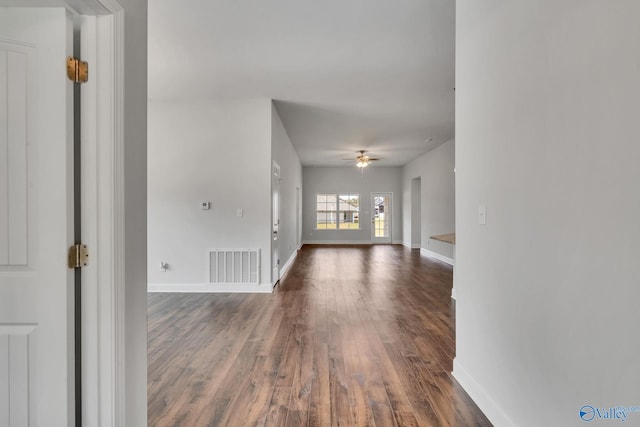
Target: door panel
pixel 36 320
pixel 13 160
pixel 381 221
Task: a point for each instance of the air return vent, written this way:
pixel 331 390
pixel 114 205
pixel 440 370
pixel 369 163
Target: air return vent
pixel 234 266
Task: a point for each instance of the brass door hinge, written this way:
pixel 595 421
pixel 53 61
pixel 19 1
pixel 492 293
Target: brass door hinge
pixel 77 71
pixel 78 256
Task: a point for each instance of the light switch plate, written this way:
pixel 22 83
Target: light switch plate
pixel 482 214
pixel 205 205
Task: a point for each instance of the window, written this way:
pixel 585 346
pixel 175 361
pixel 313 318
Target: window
pixel 349 211
pixel 326 211
pixel 337 211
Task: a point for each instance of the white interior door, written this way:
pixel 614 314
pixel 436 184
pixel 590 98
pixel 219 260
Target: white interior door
pixel 275 193
pixel 36 218
pixel 381 217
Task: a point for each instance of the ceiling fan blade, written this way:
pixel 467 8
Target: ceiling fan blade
pixel 361 158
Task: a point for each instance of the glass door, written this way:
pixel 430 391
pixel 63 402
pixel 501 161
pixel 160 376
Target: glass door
pixel 381 218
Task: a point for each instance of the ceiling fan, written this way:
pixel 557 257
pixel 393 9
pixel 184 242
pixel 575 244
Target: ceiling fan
pixel 362 160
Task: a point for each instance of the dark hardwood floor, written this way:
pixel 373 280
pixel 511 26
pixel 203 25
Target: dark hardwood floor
pixel 352 336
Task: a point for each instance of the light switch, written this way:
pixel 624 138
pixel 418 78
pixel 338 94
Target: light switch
pixel 205 205
pixel 482 214
pixel 240 212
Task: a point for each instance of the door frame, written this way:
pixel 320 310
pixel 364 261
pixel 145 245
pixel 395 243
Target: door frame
pixel 375 240
pixel 416 213
pixel 103 314
pixel 298 219
pixel 275 222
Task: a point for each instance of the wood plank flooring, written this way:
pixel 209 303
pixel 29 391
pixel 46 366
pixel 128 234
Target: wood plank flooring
pixel 352 336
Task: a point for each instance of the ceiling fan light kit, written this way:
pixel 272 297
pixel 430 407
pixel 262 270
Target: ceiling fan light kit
pixel 362 160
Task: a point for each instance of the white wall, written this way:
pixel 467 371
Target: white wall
pixel 547 104
pixel 207 151
pixel 290 184
pixel 135 220
pixel 437 209
pixel 350 180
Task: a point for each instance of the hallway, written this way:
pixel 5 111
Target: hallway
pixel 353 335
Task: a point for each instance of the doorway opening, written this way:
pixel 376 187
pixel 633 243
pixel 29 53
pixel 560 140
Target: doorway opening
pixel 275 203
pixel 416 213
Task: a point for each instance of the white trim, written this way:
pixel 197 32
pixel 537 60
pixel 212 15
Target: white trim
pixel 18 329
pixel 103 222
pixel 487 405
pixel 336 242
pixel 112 35
pixel 431 254
pixel 397 242
pixel 298 216
pixel 91 280
pixel 17 42
pixel 453 294
pixel 288 264
pixel 410 246
pixel 263 288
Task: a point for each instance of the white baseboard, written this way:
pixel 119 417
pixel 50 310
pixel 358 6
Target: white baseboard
pixel 263 288
pixel 479 395
pixel 411 245
pixel 427 252
pixel 288 264
pixel 345 242
pixel 336 242
pixel 453 293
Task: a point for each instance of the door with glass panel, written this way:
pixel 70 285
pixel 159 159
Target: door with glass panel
pixel 381 217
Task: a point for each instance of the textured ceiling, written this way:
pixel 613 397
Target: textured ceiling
pixel 345 74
